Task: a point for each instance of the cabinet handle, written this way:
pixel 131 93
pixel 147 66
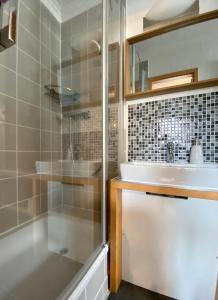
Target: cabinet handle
pixel 167 196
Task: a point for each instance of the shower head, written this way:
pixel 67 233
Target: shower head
pixel 65 95
pixel 58 90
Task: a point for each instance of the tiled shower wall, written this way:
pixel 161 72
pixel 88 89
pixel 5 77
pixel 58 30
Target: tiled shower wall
pixel 82 72
pixel 152 124
pixel 87 134
pixel 29 123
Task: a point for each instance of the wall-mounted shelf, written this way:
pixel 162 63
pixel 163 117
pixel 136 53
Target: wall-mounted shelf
pixel 174 89
pixel 172 25
pixel 157 30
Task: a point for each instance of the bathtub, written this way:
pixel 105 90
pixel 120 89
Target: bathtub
pixel 49 242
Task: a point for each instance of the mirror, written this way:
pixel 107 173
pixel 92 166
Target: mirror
pixel 185 57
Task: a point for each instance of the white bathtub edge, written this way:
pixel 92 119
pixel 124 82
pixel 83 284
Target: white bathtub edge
pixel 81 288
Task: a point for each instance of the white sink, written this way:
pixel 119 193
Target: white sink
pixel 77 168
pixel 201 177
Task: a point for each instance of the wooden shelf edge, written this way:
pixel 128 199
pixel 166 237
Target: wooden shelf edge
pixel 173 25
pixel 173 191
pixel 174 89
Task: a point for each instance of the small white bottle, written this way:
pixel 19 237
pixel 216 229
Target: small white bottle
pixel 196 155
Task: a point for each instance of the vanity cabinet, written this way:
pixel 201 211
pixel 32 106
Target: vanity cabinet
pixel 170 245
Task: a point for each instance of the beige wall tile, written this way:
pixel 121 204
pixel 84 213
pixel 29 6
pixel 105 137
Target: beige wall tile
pixel 7 82
pixel 28 209
pixel 46 120
pixel 45 55
pixel 55 46
pixel 45 141
pixel 28 67
pixel 28 115
pixel 28 43
pixel 46 156
pixel 44 203
pixel 75 197
pixel 56 122
pixel 7 137
pixel 45 15
pixel 26 189
pixel 55 27
pixel 7 109
pixel 8 191
pixel 8 218
pixel 8 58
pixel 7 164
pixel 45 36
pixel 28 139
pixel 26 162
pixel 28 91
pixel 56 142
pixel 29 20
pixel 34 5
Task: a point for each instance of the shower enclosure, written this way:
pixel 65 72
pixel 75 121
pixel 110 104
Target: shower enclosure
pixel 60 98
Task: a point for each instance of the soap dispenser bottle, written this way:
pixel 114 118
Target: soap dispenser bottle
pixel 196 155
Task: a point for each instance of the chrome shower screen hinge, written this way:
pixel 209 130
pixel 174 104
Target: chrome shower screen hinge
pixel 8 23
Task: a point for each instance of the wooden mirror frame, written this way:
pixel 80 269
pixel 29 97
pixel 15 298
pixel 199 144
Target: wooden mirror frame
pixel 160 29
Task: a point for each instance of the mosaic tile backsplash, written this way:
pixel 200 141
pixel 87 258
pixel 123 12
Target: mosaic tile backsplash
pixel 87 134
pixel 151 125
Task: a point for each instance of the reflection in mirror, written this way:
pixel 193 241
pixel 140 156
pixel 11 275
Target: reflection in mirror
pixel 168 10
pixel 187 55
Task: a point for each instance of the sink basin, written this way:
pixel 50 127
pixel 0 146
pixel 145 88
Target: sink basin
pixel 77 168
pixel 201 177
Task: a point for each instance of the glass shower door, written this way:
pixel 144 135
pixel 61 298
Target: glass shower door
pixel 82 111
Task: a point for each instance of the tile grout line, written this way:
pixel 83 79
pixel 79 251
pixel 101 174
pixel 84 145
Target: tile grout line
pixel 61 110
pixel 17 166
pixel 40 99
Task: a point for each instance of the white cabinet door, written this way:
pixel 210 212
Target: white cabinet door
pixel 171 245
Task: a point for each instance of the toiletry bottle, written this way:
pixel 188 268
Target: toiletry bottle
pixel 196 155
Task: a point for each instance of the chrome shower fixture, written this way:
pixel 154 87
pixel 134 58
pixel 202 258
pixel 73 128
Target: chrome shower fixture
pixel 65 95
pixel 56 90
pixel 97 45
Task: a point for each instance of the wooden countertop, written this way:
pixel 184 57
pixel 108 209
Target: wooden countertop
pixel 115 217
pixel 117 183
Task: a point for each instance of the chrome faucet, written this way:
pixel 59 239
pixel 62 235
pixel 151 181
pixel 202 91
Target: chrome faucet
pixel 170 152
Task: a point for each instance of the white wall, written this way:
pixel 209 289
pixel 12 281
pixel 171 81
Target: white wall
pixel 136 10
pixel 206 5
pixel 170 245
